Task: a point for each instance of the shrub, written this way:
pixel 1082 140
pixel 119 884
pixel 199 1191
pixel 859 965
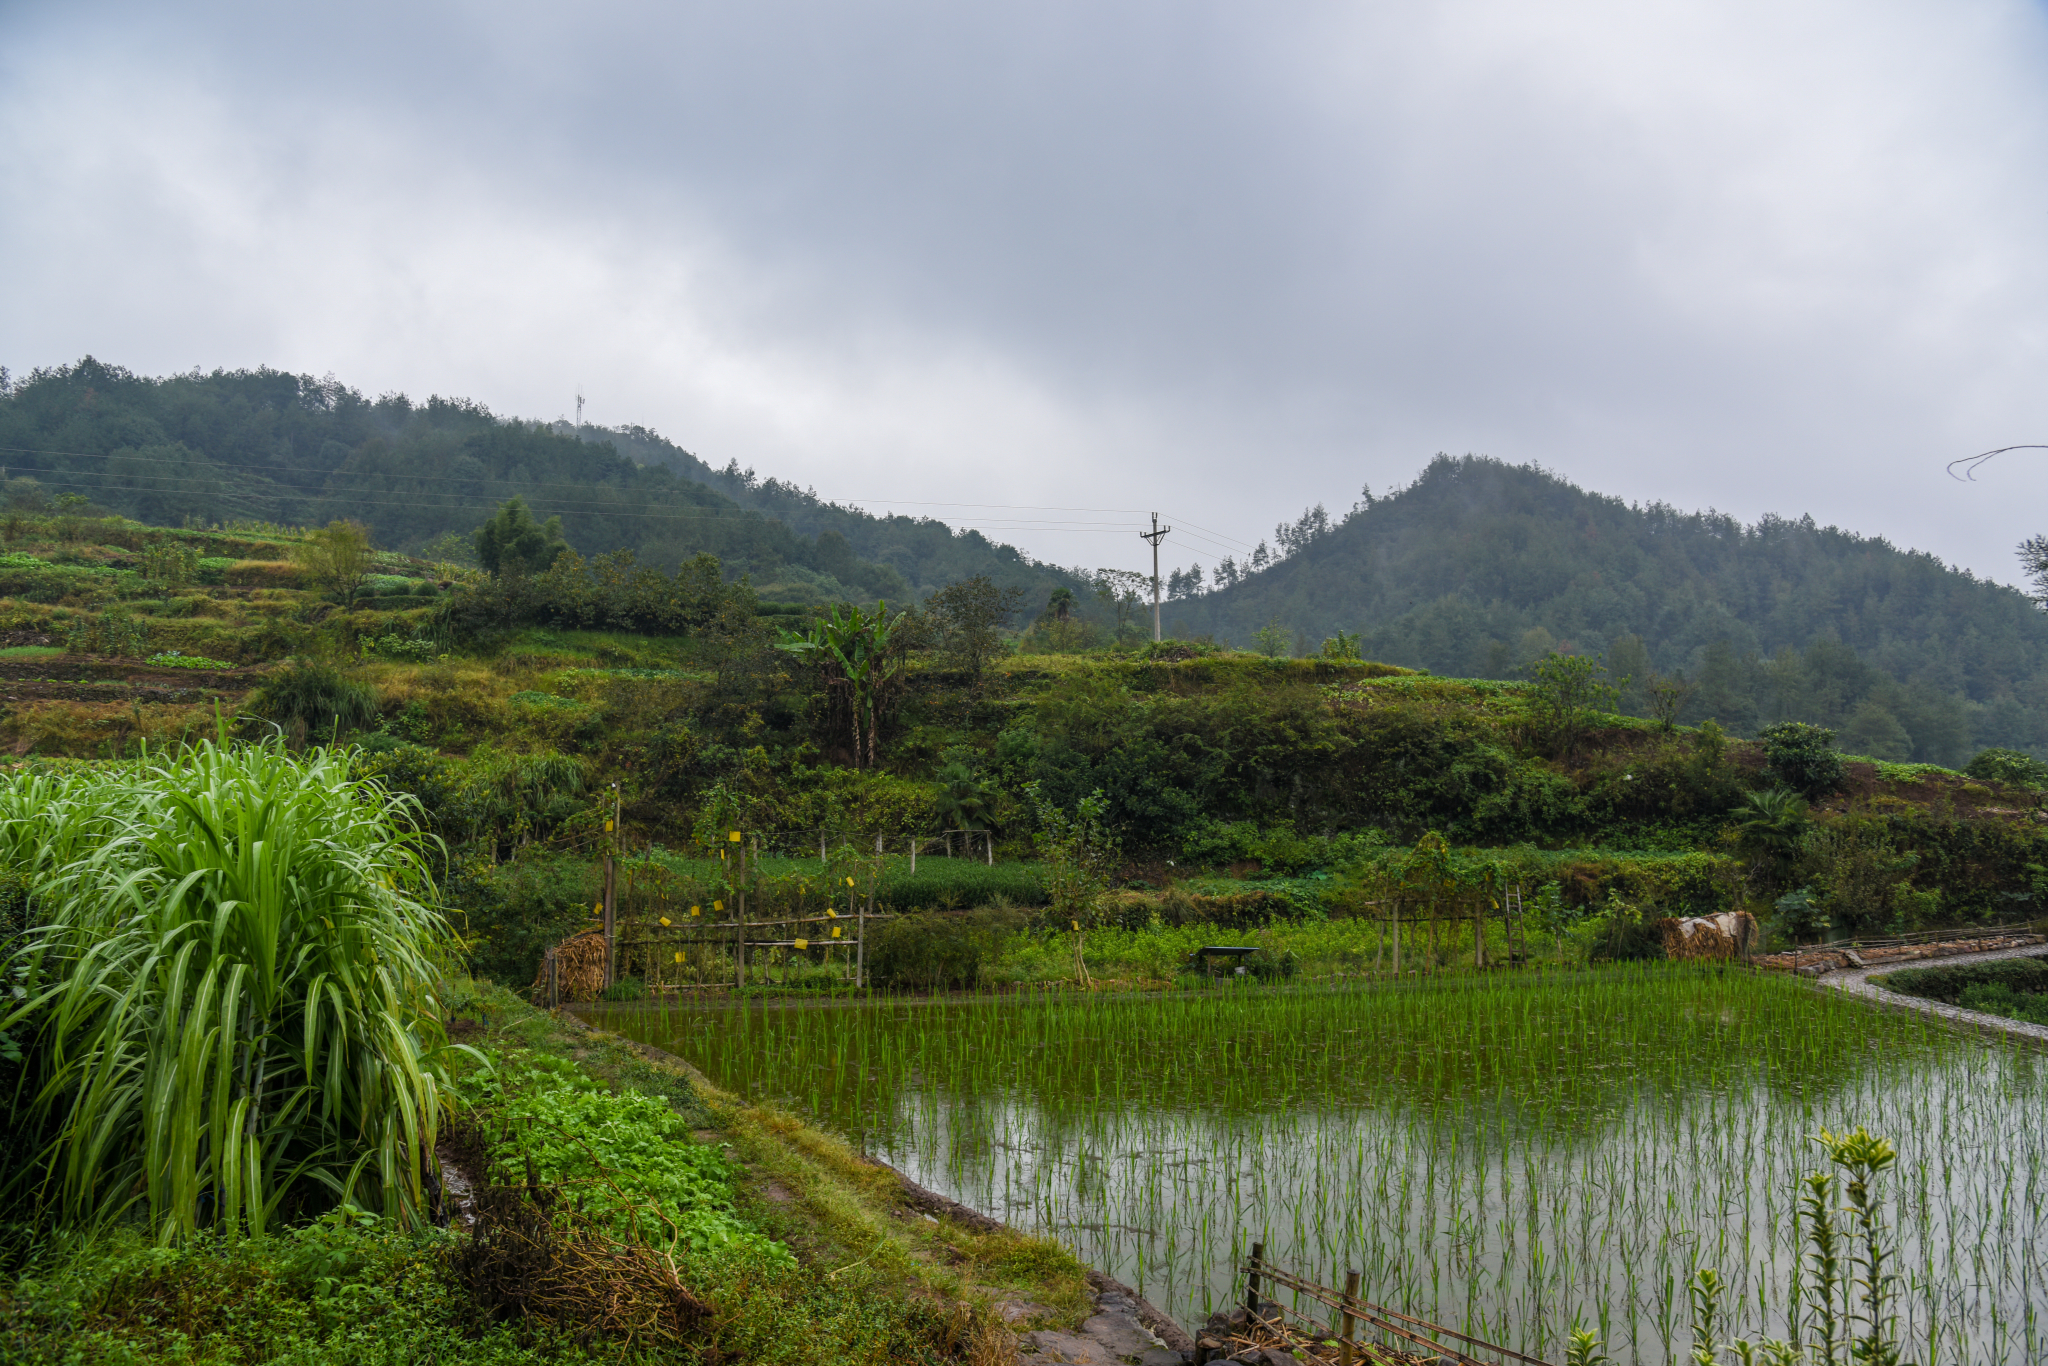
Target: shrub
pixel 1802 757
pixel 310 698
pixel 1800 916
pixel 2008 766
pixel 932 952
pixel 1996 998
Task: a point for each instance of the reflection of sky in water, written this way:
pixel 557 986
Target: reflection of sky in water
pixel 1504 1210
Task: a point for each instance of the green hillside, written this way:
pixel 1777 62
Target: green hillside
pixel 925 551
pixel 264 446
pixel 1479 567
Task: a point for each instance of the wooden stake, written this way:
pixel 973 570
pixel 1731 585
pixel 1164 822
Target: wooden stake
pixel 1251 1281
pixel 1350 1303
pixel 611 938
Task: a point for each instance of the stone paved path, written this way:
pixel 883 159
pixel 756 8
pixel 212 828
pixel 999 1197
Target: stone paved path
pixel 1856 981
pixel 1112 1336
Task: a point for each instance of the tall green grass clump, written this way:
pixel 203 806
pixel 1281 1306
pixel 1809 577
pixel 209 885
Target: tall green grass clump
pixel 228 1002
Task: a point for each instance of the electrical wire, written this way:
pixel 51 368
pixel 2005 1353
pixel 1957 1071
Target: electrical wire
pixel 1219 544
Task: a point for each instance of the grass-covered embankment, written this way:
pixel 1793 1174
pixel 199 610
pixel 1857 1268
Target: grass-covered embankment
pixel 785 1240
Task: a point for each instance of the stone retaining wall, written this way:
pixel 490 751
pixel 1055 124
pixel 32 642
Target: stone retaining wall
pixel 1814 962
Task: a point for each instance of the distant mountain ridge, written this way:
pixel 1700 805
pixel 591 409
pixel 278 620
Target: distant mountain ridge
pixel 1478 566
pixel 265 445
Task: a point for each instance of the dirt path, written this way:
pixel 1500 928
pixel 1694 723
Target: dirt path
pixel 1856 981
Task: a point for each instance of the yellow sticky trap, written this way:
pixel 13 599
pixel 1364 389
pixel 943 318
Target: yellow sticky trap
pixel 718 905
pixel 734 837
pixel 835 931
pixel 803 943
pixel 696 910
pixel 607 827
pixel 664 921
pixel 679 957
pixel 849 882
pixel 1076 924
pixel 831 914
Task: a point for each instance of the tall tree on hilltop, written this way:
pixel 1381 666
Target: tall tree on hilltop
pixel 969 618
pixel 512 542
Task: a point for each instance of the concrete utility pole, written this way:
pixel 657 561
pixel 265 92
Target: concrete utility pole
pixel 1155 535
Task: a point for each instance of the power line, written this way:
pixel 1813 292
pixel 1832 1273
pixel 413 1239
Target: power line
pixel 1971 463
pixel 1100 529
pixel 588 506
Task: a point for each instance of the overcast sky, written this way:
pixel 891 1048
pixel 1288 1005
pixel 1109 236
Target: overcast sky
pixel 1221 260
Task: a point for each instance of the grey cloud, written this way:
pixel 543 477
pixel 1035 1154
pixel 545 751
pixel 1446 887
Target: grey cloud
pixel 1231 259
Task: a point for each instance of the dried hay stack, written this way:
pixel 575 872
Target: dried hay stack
pixel 579 968
pixel 1731 934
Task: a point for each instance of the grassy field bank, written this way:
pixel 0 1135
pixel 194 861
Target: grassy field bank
pixel 795 1244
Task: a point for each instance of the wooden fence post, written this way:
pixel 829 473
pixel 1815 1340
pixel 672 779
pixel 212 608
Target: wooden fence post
pixel 1251 1281
pixel 913 853
pixel 611 895
pixel 1350 1303
pixel 554 982
pixel 739 932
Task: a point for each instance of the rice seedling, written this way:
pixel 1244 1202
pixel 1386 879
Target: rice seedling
pixel 229 988
pixel 1516 1156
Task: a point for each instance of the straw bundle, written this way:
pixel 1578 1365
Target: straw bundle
pixel 579 968
pixel 1730 934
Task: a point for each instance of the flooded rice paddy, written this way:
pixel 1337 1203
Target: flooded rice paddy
pixel 1513 1157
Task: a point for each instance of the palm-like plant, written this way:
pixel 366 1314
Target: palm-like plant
pixel 1773 824
pixel 1772 821
pixel 863 655
pixel 231 997
pixel 962 803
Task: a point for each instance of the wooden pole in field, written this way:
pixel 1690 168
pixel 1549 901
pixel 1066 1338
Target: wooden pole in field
pixel 1350 1303
pixel 867 908
pixel 1251 1281
pixel 611 888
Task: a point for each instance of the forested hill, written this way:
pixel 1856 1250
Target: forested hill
pixel 266 446
pixel 1478 567
pixel 926 552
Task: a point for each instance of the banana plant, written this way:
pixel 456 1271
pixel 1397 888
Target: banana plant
pixel 862 655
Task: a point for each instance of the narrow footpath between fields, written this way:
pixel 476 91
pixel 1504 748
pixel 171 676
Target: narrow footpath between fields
pixel 1856 981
